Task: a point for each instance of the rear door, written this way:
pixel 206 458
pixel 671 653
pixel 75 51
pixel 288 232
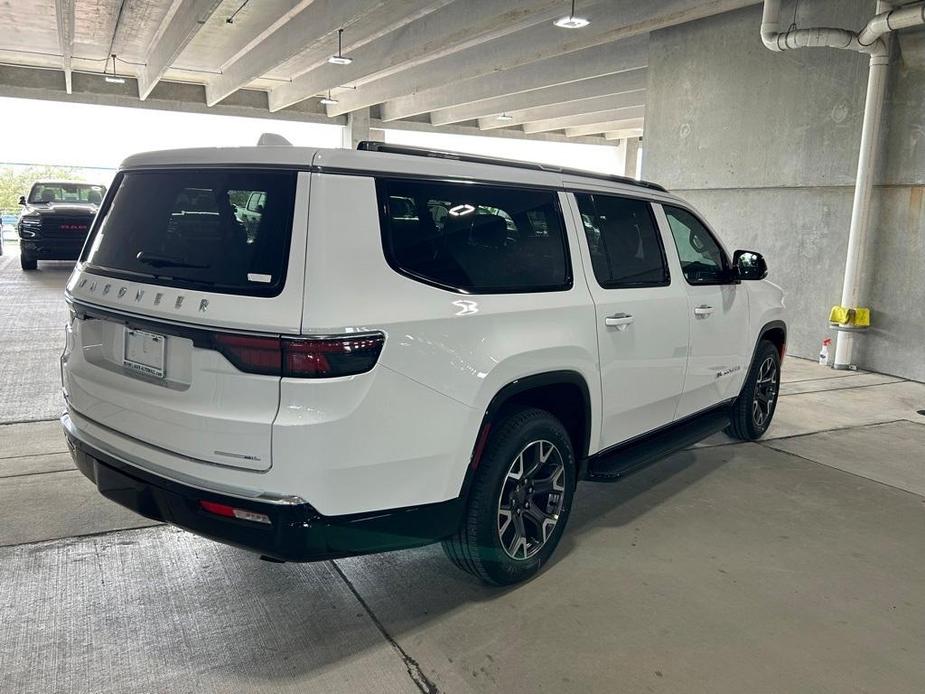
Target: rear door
pixel 717 312
pixel 641 314
pixel 173 288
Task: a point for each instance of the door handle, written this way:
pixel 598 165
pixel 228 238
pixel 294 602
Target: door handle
pixel 703 310
pixel 620 321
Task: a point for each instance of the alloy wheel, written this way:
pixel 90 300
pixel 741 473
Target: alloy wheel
pixel 532 495
pixel 765 393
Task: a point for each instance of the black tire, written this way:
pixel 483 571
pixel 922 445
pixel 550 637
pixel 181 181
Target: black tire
pixel 477 547
pixel 754 409
pixel 28 263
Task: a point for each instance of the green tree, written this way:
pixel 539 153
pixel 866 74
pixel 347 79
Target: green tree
pixel 16 181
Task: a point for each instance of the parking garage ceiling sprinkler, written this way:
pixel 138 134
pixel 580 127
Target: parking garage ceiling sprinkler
pixel 328 100
pixel 113 78
pixel 339 58
pixel 571 21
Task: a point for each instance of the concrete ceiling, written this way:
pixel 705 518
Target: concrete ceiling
pixel 445 65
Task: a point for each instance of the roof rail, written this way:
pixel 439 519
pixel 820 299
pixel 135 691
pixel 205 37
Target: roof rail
pixel 371 146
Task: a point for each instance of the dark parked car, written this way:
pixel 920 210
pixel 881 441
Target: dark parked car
pixel 55 220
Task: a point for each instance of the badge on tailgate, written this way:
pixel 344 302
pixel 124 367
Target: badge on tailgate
pixel 144 352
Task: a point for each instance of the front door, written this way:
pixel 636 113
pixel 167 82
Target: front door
pixel 718 314
pixel 641 313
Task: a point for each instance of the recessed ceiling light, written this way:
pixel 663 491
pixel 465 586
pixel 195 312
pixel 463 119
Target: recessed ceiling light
pixel 505 116
pixel 339 58
pixel 571 21
pixel 114 80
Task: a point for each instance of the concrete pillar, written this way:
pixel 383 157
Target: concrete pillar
pixel 631 167
pixel 357 128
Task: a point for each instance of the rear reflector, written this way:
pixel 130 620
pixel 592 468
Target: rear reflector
pixel 310 357
pixel 232 512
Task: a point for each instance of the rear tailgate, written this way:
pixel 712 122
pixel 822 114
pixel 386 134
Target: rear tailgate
pixel 172 265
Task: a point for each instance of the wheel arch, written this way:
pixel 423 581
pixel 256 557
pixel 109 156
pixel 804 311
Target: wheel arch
pixel 564 394
pixel 774 332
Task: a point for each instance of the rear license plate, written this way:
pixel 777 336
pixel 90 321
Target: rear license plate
pixel 144 352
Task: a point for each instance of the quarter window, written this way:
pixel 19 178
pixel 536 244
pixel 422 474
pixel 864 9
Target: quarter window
pixel 478 239
pixel 626 250
pixel 702 259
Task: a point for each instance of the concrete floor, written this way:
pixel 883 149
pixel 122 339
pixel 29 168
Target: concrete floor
pixel 792 565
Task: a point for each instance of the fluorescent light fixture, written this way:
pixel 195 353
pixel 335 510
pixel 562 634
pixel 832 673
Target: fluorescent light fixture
pixel 505 116
pixel 461 210
pixel 339 58
pixel 571 21
pixel 113 78
pixel 327 100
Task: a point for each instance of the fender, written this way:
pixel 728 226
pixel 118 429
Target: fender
pixel 765 329
pixel 509 393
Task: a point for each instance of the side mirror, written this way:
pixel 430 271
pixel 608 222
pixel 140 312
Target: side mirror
pixel 749 265
pixel 22 200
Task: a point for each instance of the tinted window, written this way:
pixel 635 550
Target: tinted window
pixel 475 238
pixel 626 250
pixel 187 228
pixel 702 259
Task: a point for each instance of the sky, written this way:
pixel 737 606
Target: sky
pixel 98 138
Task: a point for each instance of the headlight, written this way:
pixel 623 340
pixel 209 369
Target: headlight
pixel 28 226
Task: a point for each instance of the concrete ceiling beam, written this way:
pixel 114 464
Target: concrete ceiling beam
pixel 313 24
pixel 172 37
pixel 453 27
pixel 616 114
pixel 571 109
pixel 604 127
pixel 630 54
pixel 610 21
pixel 64 17
pixel 623 134
pixel 604 85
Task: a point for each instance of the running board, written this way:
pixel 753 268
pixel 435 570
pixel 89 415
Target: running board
pixel 615 462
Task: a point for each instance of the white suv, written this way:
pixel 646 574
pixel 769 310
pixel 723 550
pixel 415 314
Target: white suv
pixel 398 347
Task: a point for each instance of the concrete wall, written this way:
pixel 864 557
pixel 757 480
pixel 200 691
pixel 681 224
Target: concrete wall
pixel 765 145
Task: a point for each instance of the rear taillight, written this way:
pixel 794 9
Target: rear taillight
pixel 232 512
pixel 312 357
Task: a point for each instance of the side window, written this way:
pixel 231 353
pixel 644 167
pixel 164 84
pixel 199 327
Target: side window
pixel 480 239
pixel 626 250
pixel 702 259
pixel 255 202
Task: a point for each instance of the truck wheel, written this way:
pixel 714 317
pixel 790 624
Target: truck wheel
pixel 28 263
pixel 754 408
pixel 519 502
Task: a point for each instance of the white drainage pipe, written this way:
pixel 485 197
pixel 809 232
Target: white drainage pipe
pixel 872 39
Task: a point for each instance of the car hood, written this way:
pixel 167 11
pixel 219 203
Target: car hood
pixel 62 208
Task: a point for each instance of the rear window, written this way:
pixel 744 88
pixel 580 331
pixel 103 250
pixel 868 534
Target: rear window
pixel 478 239
pixel 215 230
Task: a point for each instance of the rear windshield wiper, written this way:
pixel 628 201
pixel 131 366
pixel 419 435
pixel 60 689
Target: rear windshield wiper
pixel 155 260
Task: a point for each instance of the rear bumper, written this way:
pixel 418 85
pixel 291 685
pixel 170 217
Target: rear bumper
pixel 296 532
